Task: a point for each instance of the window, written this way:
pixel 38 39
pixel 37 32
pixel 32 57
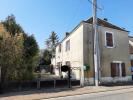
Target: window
pixel 59 64
pixel 59 50
pixel 68 45
pixel 109 39
pixel 118 69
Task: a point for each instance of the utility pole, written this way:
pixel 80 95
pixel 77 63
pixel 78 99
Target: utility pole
pixel 96 43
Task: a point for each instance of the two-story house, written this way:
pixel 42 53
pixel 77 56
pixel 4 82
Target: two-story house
pixel 76 50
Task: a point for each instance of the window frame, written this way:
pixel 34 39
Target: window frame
pixel 106 39
pixel 59 48
pixel 121 73
pixel 67 44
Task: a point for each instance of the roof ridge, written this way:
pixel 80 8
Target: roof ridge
pixel 104 23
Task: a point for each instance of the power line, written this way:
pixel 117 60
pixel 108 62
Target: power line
pixel 75 14
pixel 95 5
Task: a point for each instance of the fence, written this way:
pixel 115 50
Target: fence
pixel 38 84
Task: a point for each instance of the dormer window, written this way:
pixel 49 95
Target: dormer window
pixel 109 41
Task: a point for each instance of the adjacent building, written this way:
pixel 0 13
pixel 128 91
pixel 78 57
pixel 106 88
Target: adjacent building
pixel 76 50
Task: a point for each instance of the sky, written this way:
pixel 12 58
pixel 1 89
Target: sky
pixel 41 17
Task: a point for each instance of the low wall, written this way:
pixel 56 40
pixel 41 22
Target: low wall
pixel 115 79
pixel 90 81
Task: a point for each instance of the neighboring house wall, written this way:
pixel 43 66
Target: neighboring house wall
pixel 119 52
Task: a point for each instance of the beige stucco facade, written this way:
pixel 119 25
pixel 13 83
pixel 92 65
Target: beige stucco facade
pixel 75 54
pixel 119 53
pixel 81 52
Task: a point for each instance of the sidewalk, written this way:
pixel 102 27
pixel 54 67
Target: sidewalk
pixel 53 93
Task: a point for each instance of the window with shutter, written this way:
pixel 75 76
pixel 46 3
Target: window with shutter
pixel 118 69
pixel 123 69
pixel 109 39
pixel 113 69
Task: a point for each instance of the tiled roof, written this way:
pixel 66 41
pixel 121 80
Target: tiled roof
pixel 100 23
pixel 105 24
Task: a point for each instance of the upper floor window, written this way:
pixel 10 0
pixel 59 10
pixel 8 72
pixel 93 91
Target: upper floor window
pixel 109 39
pixel 59 50
pixel 68 45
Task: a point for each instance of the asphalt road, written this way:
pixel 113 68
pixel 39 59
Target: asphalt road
pixel 124 94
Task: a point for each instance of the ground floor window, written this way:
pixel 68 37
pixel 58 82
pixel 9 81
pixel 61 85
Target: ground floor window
pixel 59 64
pixel 118 69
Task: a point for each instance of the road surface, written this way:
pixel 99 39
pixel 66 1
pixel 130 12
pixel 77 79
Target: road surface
pixel 124 94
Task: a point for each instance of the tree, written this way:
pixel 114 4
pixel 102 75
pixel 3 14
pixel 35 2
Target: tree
pixel 10 58
pixel 30 55
pixel 18 53
pixel 51 42
pixel 46 59
pixel 11 26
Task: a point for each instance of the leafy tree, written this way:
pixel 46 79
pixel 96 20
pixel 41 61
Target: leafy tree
pixel 49 52
pixel 46 57
pixel 30 46
pixel 18 55
pixel 10 58
pixel 11 26
pixel 30 55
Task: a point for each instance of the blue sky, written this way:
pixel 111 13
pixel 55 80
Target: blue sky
pixel 40 17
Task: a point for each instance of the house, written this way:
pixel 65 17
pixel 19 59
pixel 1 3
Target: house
pixel 76 50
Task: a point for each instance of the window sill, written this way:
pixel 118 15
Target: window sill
pixel 116 77
pixel 110 47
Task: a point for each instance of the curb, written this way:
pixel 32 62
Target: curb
pixel 85 93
